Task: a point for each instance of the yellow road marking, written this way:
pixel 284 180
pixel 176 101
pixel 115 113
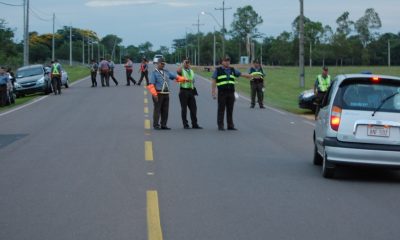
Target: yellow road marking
pixel 146 110
pixel 153 216
pixel 148 151
pixel 145 93
pixel 147 124
pixel 145 100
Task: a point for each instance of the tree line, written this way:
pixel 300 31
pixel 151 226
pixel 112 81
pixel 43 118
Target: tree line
pixel 348 43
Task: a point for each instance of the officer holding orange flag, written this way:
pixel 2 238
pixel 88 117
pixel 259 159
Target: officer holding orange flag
pixel 159 89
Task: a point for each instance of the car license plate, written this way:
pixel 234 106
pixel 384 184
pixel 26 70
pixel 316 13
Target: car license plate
pixel 378 131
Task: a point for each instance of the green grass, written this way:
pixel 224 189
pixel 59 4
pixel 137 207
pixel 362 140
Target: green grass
pixel 74 73
pixel 283 85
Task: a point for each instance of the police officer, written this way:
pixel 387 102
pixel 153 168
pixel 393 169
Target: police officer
pixel 56 74
pixel 144 72
pixel 4 78
pixel 159 88
pixel 104 69
pixel 187 95
pixel 224 78
pixel 112 66
pixel 321 86
pixel 94 67
pixel 129 69
pixel 257 84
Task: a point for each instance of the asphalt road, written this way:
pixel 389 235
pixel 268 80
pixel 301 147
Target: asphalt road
pixel 84 165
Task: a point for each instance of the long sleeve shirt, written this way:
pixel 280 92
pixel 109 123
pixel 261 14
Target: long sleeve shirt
pixel 159 76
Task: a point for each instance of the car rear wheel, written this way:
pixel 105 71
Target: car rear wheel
pixel 317 158
pixel 328 168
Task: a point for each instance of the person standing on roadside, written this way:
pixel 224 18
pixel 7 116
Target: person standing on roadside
pixel 321 86
pixel 104 68
pixel 224 78
pixel 56 74
pixel 112 66
pixel 144 72
pixel 257 84
pixel 129 69
pixel 4 78
pixel 94 67
pixel 187 95
pixel 159 89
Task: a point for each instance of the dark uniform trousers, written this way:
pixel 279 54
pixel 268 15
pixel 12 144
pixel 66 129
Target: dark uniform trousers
pixel 257 89
pixel 3 94
pixel 161 108
pixel 318 101
pixel 144 74
pixel 112 77
pixel 94 81
pixel 188 100
pixel 226 99
pixel 56 84
pixel 129 77
pixel 105 78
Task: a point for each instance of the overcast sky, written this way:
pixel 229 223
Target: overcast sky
pixel 161 21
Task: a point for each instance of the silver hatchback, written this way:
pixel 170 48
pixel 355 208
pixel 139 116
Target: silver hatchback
pixel 359 123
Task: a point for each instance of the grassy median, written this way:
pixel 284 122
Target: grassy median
pixel 74 73
pixel 283 86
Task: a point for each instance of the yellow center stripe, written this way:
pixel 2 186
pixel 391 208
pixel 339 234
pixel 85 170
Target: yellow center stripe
pixel 146 124
pixel 148 151
pixel 146 110
pixel 145 100
pixel 153 216
pixel 145 93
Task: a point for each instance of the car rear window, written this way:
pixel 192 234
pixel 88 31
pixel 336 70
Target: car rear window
pixel 367 95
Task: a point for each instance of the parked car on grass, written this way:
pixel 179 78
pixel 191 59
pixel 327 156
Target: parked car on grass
pixel 359 123
pixel 307 100
pixel 32 79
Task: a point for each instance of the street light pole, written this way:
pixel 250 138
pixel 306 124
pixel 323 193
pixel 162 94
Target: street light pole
pixel 70 45
pixel 301 44
pixel 53 40
pixel 26 32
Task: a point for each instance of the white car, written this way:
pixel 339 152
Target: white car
pixel 359 123
pixel 156 58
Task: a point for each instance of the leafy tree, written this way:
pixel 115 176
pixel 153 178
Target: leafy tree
pixel 8 49
pixel 366 24
pixel 245 22
pixel 345 26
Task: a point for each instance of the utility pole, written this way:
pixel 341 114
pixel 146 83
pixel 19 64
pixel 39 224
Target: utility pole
pixel 53 41
pixel 198 38
pixel 223 25
pixel 261 60
pixel 70 45
pixel 389 53
pixel 83 50
pixel 301 44
pixel 310 54
pixel 214 50
pixel 26 32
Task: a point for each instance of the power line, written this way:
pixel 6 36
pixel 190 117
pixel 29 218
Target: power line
pixel 12 5
pixel 38 16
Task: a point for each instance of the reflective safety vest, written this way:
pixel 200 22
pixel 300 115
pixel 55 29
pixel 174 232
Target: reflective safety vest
pixel 54 70
pixel 324 83
pixel 223 82
pixel 257 73
pixel 188 74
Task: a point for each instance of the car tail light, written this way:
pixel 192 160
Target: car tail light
pixel 375 79
pixel 335 117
